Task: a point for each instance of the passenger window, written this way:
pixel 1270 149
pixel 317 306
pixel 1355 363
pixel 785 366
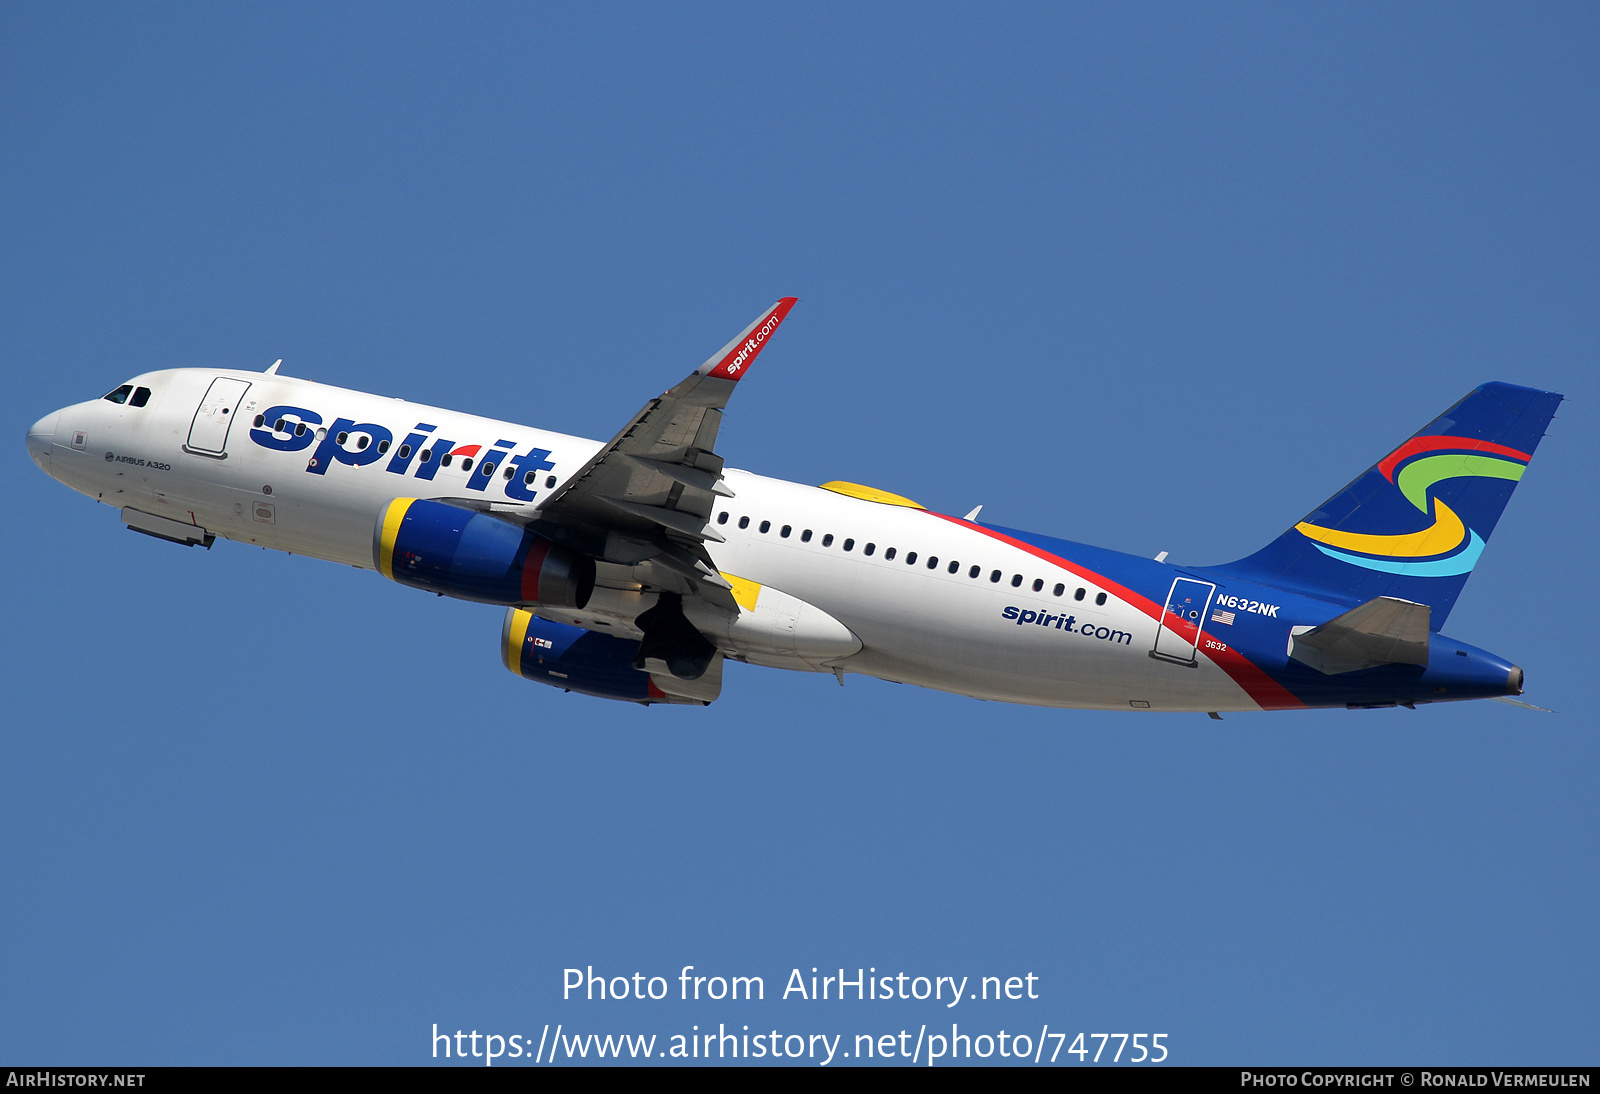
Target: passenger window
pixel 974 572
pixel 342 439
pixel 805 537
pixel 827 540
pixel 507 473
pixel 259 420
pixel 383 446
pixel 744 522
pixel 1078 595
pixel 783 533
pixel 954 566
pixel 141 396
pixel 889 554
pixel 550 482
pixel 277 426
pixel 1038 583
pixel 766 526
pixel 911 558
pixel 1100 599
pixel 466 464
pixel 933 562
pixel 869 548
pixel 444 461
pixel 487 469
pixel 849 544
pixel 994 575
pixel 362 442
pixel 300 430
pixel 427 455
pixel 527 480
pixel 1060 589
pixel 1016 580
pixel 722 518
pixel 120 395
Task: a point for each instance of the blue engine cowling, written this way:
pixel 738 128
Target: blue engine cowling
pixel 462 553
pixel 575 659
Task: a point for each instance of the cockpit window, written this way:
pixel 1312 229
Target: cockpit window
pixel 120 395
pixel 141 396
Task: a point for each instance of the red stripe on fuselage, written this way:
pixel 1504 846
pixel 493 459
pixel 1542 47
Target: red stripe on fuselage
pixel 1263 689
pixel 1432 444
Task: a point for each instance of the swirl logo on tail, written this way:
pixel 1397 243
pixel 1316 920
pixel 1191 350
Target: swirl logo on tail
pixel 1447 547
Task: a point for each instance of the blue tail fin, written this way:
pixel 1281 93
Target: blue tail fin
pixel 1414 525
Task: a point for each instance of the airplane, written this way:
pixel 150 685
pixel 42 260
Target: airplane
pixel 634 569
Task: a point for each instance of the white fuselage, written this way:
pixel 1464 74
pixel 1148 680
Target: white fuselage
pixel 917 623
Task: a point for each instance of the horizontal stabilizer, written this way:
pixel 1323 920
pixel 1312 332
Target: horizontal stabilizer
pixel 1519 703
pixel 1383 631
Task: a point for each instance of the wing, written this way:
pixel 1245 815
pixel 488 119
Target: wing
pixel 644 502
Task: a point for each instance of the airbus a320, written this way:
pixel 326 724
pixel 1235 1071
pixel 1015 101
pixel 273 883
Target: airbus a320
pixel 634 569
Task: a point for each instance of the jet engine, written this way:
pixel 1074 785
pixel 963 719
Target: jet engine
pixel 593 663
pixel 470 555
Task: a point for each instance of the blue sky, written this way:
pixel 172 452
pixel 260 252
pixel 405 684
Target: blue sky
pixel 1152 277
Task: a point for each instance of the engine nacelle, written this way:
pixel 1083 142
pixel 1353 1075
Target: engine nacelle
pixel 447 549
pixel 586 661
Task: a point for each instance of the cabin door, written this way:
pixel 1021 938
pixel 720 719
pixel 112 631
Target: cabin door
pixel 1181 618
pixel 208 435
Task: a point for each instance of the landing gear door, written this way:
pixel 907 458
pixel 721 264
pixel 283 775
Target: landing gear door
pixel 208 435
pixel 1181 618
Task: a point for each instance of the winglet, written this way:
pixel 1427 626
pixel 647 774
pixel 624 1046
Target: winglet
pixel 730 362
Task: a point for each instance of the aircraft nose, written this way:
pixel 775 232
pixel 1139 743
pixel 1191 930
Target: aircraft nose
pixel 40 439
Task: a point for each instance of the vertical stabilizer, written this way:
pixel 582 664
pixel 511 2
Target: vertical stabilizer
pixel 1413 526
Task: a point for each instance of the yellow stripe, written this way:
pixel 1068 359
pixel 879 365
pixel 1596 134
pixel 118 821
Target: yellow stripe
pixel 870 493
pixel 1447 534
pixel 392 517
pixel 516 634
pixel 745 591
